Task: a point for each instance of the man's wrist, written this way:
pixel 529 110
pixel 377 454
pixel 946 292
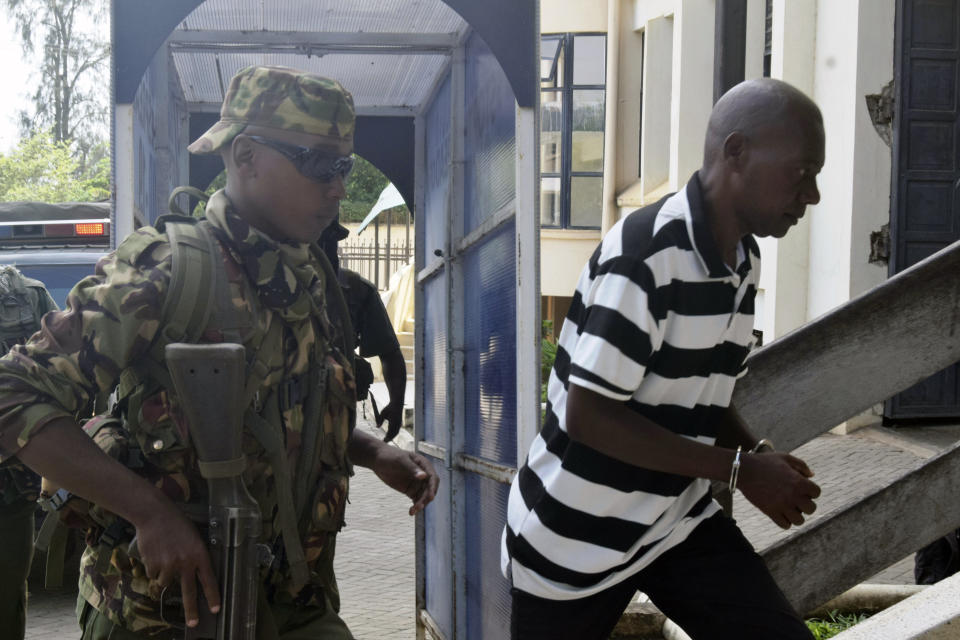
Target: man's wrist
pixel 364 450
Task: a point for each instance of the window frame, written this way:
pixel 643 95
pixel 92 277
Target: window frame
pixel 566 90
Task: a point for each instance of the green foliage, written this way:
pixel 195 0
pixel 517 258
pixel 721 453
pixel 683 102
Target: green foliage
pixel 43 170
pixel 548 354
pixel 218 183
pixel 363 189
pixel 834 624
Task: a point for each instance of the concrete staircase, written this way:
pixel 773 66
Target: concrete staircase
pixel 405 336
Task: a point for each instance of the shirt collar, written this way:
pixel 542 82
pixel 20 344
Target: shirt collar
pixel 702 238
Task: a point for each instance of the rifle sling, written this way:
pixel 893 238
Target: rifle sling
pixel 311 436
pixel 222 468
pixel 272 441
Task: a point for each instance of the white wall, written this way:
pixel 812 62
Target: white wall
pixel 854 58
pixel 561 16
pixel 562 256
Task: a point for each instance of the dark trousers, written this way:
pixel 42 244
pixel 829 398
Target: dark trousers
pixel 713 585
pixel 16 553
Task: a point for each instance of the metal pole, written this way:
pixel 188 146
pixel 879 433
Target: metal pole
pixel 729 45
pixel 386 271
pixel 376 252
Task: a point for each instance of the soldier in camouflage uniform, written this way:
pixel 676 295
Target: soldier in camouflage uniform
pixel 285 137
pixel 19 486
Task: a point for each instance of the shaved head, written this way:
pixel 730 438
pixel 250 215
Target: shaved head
pixel 755 108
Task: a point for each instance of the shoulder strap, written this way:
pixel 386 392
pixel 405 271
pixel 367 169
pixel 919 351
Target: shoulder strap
pixel 193 281
pixel 197 276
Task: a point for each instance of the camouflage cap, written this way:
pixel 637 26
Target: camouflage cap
pixel 283 101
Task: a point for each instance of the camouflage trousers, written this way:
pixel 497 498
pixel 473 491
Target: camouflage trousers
pixel 16 553
pixel 292 623
pixel 284 621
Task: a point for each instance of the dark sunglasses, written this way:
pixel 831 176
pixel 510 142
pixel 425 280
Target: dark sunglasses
pixel 312 163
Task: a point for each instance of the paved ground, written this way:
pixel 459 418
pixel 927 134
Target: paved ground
pixel 375 555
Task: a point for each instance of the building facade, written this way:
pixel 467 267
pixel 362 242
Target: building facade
pixel 658 93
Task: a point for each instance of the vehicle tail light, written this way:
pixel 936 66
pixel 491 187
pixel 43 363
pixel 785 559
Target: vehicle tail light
pixel 89 229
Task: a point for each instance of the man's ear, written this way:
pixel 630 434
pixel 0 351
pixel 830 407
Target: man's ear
pixel 735 149
pixel 242 154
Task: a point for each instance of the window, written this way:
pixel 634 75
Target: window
pixel 572 113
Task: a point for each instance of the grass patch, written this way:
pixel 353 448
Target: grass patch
pixel 833 624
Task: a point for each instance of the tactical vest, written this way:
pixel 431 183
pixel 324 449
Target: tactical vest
pixel 196 302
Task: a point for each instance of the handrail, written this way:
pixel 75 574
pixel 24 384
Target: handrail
pixel 857 355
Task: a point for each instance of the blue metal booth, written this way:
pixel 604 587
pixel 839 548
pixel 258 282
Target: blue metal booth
pixel 448 108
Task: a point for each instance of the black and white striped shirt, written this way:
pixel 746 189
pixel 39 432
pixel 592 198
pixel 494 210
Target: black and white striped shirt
pixel 660 322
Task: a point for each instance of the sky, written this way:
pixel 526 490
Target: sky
pixel 16 77
pixel 15 74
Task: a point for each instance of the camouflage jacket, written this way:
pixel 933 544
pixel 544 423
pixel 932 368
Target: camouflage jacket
pixel 112 324
pixel 19 484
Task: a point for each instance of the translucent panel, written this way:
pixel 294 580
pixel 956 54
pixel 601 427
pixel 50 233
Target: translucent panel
pixel 490 371
pixel 588 119
pixel 488 592
pixel 384 16
pixel 435 420
pixel 438 557
pixel 586 198
pixel 436 213
pixel 551 132
pixel 489 143
pixel 551 61
pixel 589 59
pixel 374 80
pixel 550 200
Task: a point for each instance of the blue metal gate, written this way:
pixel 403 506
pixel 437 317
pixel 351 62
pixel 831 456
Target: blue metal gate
pixel 470 340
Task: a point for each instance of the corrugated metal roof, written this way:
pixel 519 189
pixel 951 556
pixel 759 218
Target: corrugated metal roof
pixel 374 80
pixel 379 16
pixel 223 36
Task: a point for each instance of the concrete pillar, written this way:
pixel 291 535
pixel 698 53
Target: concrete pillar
pixel 124 160
pixel 658 84
pixel 756 28
pixel 691 98
pixel 854 58
pixel 608 213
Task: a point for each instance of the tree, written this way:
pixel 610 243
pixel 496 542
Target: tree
pixel 70 99
pixel 363 189
pixel 43 170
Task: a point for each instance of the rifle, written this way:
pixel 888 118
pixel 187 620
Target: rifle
pixel 209 380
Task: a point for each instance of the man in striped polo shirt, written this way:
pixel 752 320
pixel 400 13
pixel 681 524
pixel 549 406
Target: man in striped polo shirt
pixel 614 496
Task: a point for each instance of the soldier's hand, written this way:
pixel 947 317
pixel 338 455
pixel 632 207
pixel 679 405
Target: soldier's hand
pixel 409 473
pixel 171 548
pixel 779 485
pixel 393 415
